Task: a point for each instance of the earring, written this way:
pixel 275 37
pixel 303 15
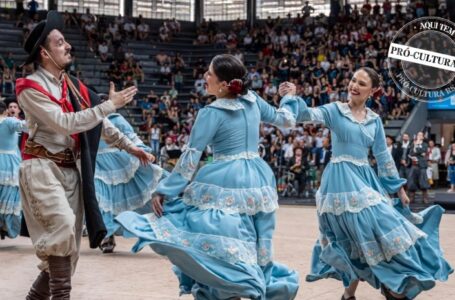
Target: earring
pixel 220 90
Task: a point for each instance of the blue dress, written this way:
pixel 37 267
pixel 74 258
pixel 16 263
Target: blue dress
pixel 362 235
pixel 121 182
pixel 10 159
pixel 219 233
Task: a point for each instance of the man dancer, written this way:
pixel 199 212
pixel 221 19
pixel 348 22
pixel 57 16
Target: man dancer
pixel 65 123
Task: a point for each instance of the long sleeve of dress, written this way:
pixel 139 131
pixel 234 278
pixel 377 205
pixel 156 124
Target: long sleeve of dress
pixel 16 125
pixel 204 129
pixel 300 109
pixel 387 171
pixel 281 117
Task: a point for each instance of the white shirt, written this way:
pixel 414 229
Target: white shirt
pixel 155 133
pixel 103 49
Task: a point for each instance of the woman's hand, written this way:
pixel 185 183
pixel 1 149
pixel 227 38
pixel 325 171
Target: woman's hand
pixel 287 88
pixel 157 205
pixel 403 197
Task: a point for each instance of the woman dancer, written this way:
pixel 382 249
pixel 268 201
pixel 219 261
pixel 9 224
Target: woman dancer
pixel 219 234
pixel 10 205
pixel 121 182
pixel 362 237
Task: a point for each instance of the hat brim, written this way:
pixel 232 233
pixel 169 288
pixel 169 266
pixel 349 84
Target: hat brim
pixel 53 21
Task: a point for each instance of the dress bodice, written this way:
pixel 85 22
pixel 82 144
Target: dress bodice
pixel 9 133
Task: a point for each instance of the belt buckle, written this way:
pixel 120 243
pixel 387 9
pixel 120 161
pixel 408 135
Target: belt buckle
pixel 69 157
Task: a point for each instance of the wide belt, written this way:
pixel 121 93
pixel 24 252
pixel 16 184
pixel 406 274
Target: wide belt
pixel 65 158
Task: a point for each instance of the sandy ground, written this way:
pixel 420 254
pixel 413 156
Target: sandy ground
pixel 146 275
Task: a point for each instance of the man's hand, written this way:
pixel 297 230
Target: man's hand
pixel 123 97
pixel 143 156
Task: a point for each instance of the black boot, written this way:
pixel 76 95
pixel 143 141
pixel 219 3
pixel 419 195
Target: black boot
pixel 40 288
pixel 60 277
pixel 108 245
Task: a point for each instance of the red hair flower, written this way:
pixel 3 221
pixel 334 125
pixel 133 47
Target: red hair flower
pixel 235 86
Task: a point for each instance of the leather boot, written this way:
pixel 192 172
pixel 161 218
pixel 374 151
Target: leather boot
pixel 40 288
pixel 108 245
pixel 60 277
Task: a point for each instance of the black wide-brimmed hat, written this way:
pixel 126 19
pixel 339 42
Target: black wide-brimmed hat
pixel 39 34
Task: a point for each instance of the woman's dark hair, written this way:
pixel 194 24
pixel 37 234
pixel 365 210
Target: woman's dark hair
pixel 2 107
pixel 374 76
pixel 230 69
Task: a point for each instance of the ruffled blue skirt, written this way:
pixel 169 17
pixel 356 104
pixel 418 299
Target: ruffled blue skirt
pixel 122 184
pixel 219 234
pixel 364 237
pixel 10 204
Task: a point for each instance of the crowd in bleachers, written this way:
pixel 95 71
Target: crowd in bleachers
pixel 318 54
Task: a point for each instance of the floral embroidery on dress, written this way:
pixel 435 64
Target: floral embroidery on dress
pixel 133 202
pixel 8 177
pixel 383 248
pixel 231 250
pixel 188 162
pixel 114 177
pixel 231 200
pixel 354 202
pixel 388 169
pixel 265 251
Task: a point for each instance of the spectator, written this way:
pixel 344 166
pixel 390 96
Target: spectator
pixel 9 62
pixel 167 154
pixel 298 165
pixel 14 109
pixel 165 74
pixel 138 74
pixel 178 81
pixel 8 80
pixel 162 58
pixel 33 6
pixel 103 51
pixel 434 156
pixel 199 85
pixel 143 31
pixel 155 134
pixel 130 28
pixel 307 9
pixel 163 33
pixel 73 68
pixel 450 162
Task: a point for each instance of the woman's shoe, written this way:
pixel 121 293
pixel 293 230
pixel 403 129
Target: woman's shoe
pixel 350 298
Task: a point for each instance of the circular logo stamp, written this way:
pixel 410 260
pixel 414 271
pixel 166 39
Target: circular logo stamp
pixel 421 59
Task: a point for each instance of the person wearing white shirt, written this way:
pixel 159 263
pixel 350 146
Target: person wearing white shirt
pixel 143 31
pixel 288 149
pixel 434 156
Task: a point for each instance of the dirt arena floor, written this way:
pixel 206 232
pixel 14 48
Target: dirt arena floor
pixel 146 275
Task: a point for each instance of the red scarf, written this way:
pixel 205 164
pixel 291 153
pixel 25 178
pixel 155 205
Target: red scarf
pixel 63 102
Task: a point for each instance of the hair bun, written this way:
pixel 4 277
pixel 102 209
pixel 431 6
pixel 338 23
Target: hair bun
pixel 235 86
